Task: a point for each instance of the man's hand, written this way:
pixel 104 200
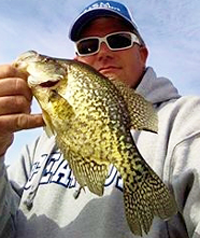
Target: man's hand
pixel 15 103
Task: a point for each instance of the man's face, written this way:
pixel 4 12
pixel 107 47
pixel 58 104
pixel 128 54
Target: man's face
pixel 126 65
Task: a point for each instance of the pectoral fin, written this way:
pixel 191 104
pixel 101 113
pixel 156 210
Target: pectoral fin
pixel 61 107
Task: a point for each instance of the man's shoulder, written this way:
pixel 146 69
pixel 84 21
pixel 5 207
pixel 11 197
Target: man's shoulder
pixel 181 116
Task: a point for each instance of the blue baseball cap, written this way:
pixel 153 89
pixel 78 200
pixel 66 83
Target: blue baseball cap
pixel 100 9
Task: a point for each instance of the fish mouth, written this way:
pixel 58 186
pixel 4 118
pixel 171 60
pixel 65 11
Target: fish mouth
pixel 48 84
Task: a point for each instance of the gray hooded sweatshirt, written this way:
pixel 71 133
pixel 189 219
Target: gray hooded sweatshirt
pixel 37 191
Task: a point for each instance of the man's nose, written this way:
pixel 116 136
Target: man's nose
pixel 104 47
pixel 104 51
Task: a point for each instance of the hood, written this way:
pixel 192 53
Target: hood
pixel 156 89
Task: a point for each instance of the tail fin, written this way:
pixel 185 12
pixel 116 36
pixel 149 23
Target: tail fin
pixel 145 198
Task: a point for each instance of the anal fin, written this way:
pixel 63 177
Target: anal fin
pixel 88 172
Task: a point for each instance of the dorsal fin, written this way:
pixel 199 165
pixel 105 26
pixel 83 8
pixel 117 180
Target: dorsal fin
pixel 143 115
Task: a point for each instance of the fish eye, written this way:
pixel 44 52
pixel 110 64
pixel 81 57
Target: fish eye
pixel 47 59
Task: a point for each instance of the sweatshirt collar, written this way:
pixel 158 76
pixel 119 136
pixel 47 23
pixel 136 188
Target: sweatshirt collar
pixel 156 89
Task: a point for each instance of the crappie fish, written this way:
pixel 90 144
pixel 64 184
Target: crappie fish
pixel 91 118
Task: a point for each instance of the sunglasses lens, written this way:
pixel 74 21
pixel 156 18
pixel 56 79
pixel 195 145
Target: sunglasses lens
pixel 87 46
pixel 115 41
pixel 120 40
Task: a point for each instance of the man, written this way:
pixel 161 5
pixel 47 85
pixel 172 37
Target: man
pixel 37 200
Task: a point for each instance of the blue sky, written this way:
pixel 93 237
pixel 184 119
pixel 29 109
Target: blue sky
pixel 170 28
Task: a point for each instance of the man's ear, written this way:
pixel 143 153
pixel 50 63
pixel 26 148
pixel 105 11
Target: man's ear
pixel 144 53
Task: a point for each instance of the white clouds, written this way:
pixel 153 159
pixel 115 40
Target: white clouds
pixel 172 32
pixel 34 25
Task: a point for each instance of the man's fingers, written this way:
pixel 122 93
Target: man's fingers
pixel 17 122
pixel 28 121
pixel 10 71
pixel 14 87
pixel 13 105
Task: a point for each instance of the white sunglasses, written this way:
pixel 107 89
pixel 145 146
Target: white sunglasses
pixel 115 41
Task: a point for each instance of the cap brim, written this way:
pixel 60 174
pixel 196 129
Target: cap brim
pixel 86 17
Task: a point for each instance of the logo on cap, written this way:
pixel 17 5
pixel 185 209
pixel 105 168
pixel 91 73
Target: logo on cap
pixel 101 5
